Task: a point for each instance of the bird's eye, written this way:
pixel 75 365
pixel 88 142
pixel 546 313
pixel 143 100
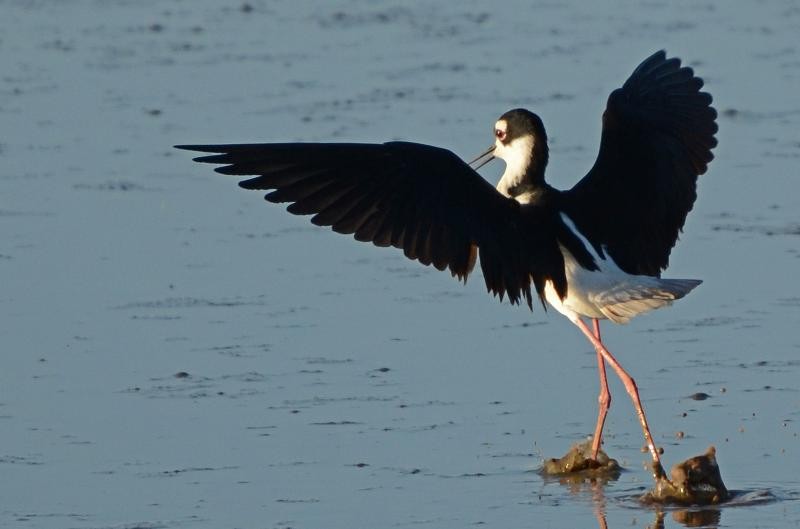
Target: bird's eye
pixel 500 134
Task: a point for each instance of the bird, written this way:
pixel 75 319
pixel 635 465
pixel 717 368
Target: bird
pixel 593 252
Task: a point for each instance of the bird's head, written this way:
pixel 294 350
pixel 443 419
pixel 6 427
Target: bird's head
pixel 521 142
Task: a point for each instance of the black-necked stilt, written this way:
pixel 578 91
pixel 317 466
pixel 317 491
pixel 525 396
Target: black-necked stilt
pixel 595 251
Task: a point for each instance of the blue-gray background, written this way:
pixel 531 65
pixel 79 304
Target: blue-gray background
pixel 332 384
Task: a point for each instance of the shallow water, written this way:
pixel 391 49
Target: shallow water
pixel 176 353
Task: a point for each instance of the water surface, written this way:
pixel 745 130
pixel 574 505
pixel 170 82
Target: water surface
pixel 177 353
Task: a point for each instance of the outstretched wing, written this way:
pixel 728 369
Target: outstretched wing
pixel 658 132
pixel 421 199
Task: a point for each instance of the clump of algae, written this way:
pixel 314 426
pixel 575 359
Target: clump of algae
pixel 696 481
pixel 578 461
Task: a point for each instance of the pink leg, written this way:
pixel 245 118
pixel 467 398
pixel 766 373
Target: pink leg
pixel 604 399
pixel 630 387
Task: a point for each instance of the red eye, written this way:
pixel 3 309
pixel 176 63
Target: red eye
pixel 500 134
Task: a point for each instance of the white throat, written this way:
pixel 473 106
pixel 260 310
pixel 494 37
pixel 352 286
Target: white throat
pixel 518 157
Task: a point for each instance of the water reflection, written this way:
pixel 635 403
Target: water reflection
pixel 690 518
pixel 594 488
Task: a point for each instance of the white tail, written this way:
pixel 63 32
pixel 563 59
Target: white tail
pixel 629 299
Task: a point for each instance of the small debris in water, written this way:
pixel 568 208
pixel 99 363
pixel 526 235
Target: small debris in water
pixel 679 435
pixel 696 481
pixel 181 374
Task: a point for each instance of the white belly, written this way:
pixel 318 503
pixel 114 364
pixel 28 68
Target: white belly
pixel 610 292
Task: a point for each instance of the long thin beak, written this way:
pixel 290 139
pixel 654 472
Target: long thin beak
pixel 483 159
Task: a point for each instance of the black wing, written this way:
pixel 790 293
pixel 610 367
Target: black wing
pixel 419 198
pixel 658 132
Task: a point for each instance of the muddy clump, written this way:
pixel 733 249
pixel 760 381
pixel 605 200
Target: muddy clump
pixel 578 462
pixel 696 481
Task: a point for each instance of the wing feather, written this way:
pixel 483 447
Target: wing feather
pixel 420 199
pixel 658 133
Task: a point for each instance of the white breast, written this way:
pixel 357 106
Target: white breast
pixel 517 155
